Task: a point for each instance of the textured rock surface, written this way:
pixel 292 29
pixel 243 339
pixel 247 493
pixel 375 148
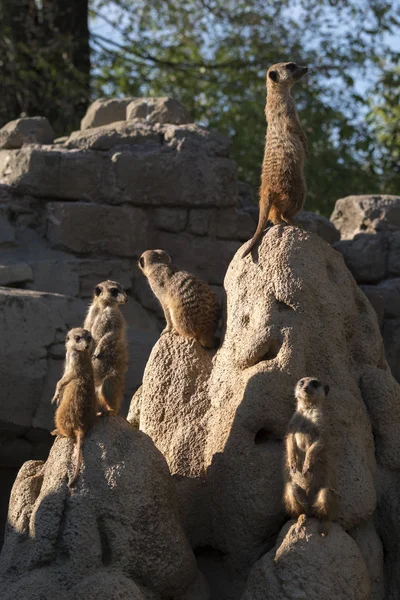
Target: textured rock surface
pixel 293 310
pixel 304 565
pixel 366 214
pixel 27 130
pixel 320 225
pixel 104 111
pixel 157 110
pixel 95 541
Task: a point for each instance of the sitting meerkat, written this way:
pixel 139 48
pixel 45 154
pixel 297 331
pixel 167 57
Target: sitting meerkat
pixel 110 354
pixel 75 393
pixel 309 477
pixel 190 307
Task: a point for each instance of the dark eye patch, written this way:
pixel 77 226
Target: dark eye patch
pixel 114 291
pixel 97 290
pixel 291 66
pixel 77 338
pixel 141 262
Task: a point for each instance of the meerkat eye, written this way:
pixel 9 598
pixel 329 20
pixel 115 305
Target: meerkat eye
pixel 77 338
pixel 273 75
pixel 302 382
pixel 114 291
pixel 97 290
pixel 291 66
pixel 141 262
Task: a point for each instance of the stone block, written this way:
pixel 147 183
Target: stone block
pixel 158 176
pixel 7 232
pixel 97 229
pixel 27 130
pixel 115 134
pixel 391 339
pixel 55 173
pixel 170 219
pixel 394 254
pixel 202 221
pixel 376 299
pixel 104 111
pixel 13 273
pixel 365 256
pixel 318 224
pixel 194 138
pixel 390 292
pixel 157 110
pixel 366 214
pixel 233 224
pixel 54 276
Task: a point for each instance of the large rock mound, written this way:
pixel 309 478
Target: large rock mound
pixel 292 310
pixel 116 535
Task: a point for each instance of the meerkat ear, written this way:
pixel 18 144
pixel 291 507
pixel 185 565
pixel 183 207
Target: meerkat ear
pixel 141 262
pixel 273 75
pixel 327 389
pixel 97 290
pixel 67 338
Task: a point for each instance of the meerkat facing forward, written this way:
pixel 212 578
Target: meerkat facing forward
pixel 110 354
pixel 309 488
pixel 75 393
pixel 190 307
pixel 283 186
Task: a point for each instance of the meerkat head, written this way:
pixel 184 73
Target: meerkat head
pixel 110 292
pixel 310 392
pixel 150 258
pixel 78 339
pixel 285 74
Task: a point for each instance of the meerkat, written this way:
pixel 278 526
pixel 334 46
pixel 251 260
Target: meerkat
pixel 190 307
pixel 283 186
pixel 110 354
pixel 75 393
pixel 309 477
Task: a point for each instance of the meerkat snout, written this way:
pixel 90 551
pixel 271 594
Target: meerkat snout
pixel 111 292
pixel 310 390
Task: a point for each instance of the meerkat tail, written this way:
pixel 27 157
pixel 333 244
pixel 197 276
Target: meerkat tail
pixel 265 208
pixel 79 438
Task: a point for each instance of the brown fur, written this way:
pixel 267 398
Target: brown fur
pixel 190 307
pixel 110 355
pixel 309 477
pixel 283 187
pixel 75 393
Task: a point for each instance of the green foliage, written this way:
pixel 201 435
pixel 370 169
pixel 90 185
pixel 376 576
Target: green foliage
pixel 213 55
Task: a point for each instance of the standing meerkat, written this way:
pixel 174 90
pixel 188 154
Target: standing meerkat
pixel 110 354
pixel 283 186
pixel 75 393
pixel 190 307
pixel 309 477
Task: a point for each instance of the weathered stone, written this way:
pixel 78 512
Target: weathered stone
pixel 318 224
pixel 319 568
pixel 58 173
pixel 390 292
pixel 55 276
pixel 119 523
pixel 13 453
pixel 115 134
pixel 104 111
pixel 233 224
pixel 91 272
pixel 371 548
pixel 393 261
pixel 366 214
pixel 88 228
pixel 365 256
pixel 243 396
pixel 27 130
pixel 375 297
pixel 157 110
pixel 194 138
pixel 159 176
pixel 7 232
pixel 170 219
pixel 202 221
pixel 15 273
pixel 391 337
pixel 29 323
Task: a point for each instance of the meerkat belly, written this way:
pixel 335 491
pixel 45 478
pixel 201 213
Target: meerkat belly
pixel 302 441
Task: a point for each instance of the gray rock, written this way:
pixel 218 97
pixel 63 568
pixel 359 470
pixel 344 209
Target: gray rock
pixel 104 111
pixel 202 221
pixel 170 219
pixel 158 176
pixel 194 138
pixel 118 528
pixel 13 273
pixel 27 130
pixel 13 453
pixel 366 214
pixel 157 110
pixel 390 292
pixel 322 568
pixel 318 224
pixel 99 229
pixel 7 232
pixel 115 134
pixel 368 541
pixel 391 337
pixel 365 256
pixel 393 263
pixel 233 224
pixel 375 297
